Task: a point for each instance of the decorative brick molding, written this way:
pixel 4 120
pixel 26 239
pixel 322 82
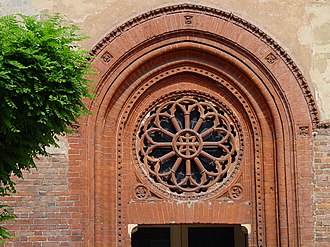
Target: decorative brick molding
pixel 190 51
pixel 188 19
pixel 236 192
pixel 271 58
pixel 323 125
pixel 141 192
pixel 304 131
pixel 228 17
pixel 106 57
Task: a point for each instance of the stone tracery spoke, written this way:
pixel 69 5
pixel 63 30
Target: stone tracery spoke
pixel 175 123
pixel 186 120
pixel 202 168
pixel 176 165
pixel 156 130
pixel 199 123
pixel 188 168
pixel 163 144
pixel 207 132
pixel 208 156
pixel 167 156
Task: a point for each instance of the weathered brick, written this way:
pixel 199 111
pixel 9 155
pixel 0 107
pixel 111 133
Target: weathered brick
pixel 321 187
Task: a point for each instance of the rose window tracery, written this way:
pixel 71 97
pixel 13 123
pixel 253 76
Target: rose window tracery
pixel 187 144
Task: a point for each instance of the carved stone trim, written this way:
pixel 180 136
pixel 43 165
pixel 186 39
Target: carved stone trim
pixel 303 131
pixel 106 57
pixel 271 58
pixel 120 222
pixel 236 192
pixel 227 16
pixel 141 192
pixel 188 19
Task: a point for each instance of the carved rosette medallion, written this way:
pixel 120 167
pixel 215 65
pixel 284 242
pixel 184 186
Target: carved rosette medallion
pixel 236 192
pixel 141 192
pixel 187 145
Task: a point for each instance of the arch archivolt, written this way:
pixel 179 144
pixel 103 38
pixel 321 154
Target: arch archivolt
pixel 223 90
pixel 214 56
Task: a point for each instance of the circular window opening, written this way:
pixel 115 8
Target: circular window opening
pixel 187 144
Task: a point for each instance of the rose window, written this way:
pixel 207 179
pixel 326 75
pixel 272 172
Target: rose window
pixel 187 144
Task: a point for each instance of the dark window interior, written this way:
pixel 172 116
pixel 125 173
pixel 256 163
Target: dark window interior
pixel 152 237
pixel 197 237
pixel 211 237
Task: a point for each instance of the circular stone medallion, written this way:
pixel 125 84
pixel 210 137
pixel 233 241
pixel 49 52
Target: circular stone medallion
pixel 187 144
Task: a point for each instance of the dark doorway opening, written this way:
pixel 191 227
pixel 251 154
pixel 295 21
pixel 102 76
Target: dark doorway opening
pixel 152 237
pixel 189 236
pixel 211 236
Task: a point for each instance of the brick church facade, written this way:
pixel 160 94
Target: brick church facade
pixel 203 130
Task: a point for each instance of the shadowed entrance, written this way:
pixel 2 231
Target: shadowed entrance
pixel 189 236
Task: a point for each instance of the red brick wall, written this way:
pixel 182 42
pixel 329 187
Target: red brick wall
pixel 44 207
pixel 322 186
pixel 46 210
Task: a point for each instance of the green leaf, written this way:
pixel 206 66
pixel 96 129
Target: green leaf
pixel 16 64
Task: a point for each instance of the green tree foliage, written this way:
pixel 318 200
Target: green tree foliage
pixel 5 214
pixel 42 84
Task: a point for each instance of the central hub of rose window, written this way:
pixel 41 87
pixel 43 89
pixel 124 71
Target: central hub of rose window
pixel 187 144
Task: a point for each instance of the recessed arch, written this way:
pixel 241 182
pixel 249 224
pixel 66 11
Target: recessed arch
pixel 190 50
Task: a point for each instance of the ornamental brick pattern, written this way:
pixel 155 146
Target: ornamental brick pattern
pixel 191 52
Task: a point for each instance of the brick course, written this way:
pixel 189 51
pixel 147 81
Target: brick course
pixel 45 209
pixel 321 196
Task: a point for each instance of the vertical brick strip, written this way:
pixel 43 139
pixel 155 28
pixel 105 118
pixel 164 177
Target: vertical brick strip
pixel 322 186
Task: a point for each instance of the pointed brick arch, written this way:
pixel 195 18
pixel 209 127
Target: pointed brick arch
pixel 199 52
